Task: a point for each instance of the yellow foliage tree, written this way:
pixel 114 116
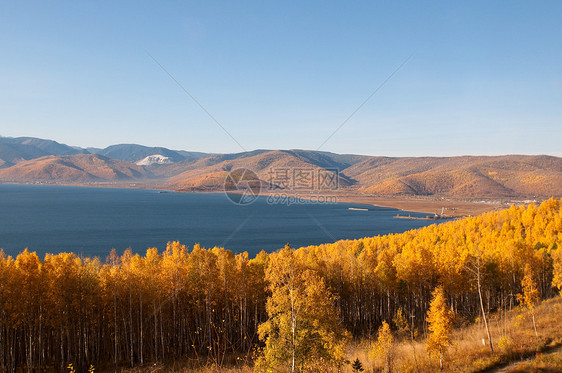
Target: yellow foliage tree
pixel 557 269
pixel 382 348
pixel 204 303
pixel 402 327
pixel 303 331
pixel 530 296
pixel 440 320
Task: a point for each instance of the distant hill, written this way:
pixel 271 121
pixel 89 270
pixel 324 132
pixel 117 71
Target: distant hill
pixel 78 168
pixel 11 154
pixel 157 159
pixel 329 160
pixel 48 146
pixel 209 173
pixel 27 159
pixel 17 149
pixel 135 153
pixel 468 176
pixel 167 171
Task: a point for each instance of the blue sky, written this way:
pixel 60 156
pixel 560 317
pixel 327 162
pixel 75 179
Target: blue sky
pixel 483 77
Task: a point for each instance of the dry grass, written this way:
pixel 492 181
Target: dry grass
pixel 541 363
pixel 512 333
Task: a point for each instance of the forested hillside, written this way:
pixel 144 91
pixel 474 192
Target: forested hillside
pixel 209 303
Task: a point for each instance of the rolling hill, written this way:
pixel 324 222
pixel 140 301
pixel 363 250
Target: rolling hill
pixel 27 159
pixel 209 173
pixel 134 153
pixel 467 176
pixel 78 168
pixel 17 149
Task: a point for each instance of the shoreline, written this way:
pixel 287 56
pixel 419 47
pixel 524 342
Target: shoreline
pixel 431 205
pixel 454 208
pixel 450 206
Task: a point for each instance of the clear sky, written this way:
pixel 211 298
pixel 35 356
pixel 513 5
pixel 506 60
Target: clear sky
pixel 483 77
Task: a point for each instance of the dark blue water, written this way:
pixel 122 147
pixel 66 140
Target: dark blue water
pixel 92 221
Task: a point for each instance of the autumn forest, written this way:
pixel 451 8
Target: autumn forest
pixel 291 309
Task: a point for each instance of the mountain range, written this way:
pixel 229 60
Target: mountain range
pixel 33 160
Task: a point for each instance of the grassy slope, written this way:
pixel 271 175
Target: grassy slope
pixel 467 353
pixel 542 362
pixel 466 176
pixel 72 168
pixel 460 176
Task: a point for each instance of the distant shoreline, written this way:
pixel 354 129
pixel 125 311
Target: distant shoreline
pixel 451 207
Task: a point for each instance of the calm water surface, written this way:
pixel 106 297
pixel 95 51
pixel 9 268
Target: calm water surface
pixel 92 221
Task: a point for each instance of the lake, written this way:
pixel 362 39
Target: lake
pixel 92 221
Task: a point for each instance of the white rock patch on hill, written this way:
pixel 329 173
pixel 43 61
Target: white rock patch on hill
pixel 154 159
